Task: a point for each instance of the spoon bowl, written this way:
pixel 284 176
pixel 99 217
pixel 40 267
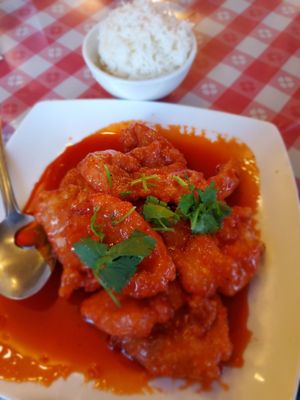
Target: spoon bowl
pixel 23 270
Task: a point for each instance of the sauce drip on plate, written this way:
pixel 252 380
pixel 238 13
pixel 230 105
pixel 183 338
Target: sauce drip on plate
pixel 45 337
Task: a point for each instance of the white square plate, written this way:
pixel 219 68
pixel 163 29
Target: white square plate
pixel 272 358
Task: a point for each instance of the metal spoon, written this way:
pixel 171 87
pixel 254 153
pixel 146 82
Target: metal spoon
pixel 23 270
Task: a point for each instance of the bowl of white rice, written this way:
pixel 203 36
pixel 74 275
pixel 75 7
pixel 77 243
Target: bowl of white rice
pixel 140 50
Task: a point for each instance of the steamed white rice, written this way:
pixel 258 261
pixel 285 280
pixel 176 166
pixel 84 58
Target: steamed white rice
pixel 141 40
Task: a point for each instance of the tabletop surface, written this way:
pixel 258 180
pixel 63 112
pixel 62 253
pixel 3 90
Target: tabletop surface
pixel 248 60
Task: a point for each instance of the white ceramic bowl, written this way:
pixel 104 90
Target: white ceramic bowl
pixel 147 89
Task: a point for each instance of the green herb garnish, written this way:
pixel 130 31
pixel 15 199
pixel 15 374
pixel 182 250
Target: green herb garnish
pixel 179 180
pixel 108 175
pixel 159 214
pixel 203 210
pixel 114 266
pixel 114 222
pixel 144 181
pixel 96 229
pixel 125 194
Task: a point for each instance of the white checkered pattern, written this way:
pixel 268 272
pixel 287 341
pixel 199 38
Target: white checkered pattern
pixel 252 46
pixel 224 74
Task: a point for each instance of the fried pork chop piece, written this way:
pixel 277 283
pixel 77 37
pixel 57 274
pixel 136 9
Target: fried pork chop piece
pixel 134 318
pixel 151 154
pixel 54 210
pixel 96 166
pixel 124 170
pixel 155 271
pixel 137 135
pixel 150 148
pixel 190 346
pixel 177 239
pixel 225 262
pixel 154 157
pixel 227 179
pixel 158 156
pixel 200 265
pixel 65 215
pixel 165 186
pixel 162 185
pixel 240 240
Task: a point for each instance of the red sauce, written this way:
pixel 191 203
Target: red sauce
pixel 240 335
pixel 44 337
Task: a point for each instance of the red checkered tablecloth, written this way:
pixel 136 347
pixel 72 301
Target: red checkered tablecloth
pixel 248 61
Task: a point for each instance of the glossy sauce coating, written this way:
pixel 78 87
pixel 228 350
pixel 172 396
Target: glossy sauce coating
pixel 45 337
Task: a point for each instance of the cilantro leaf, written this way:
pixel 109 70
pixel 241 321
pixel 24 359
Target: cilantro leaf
pixel 186 204
pixel 120 271
pixel 114 266
pixel 158 213
pixel 89 251
pixel 208 195
pixel 205 223
pixel 138 244
pixel 203 210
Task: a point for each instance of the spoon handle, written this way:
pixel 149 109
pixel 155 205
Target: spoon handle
pixel 8 197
